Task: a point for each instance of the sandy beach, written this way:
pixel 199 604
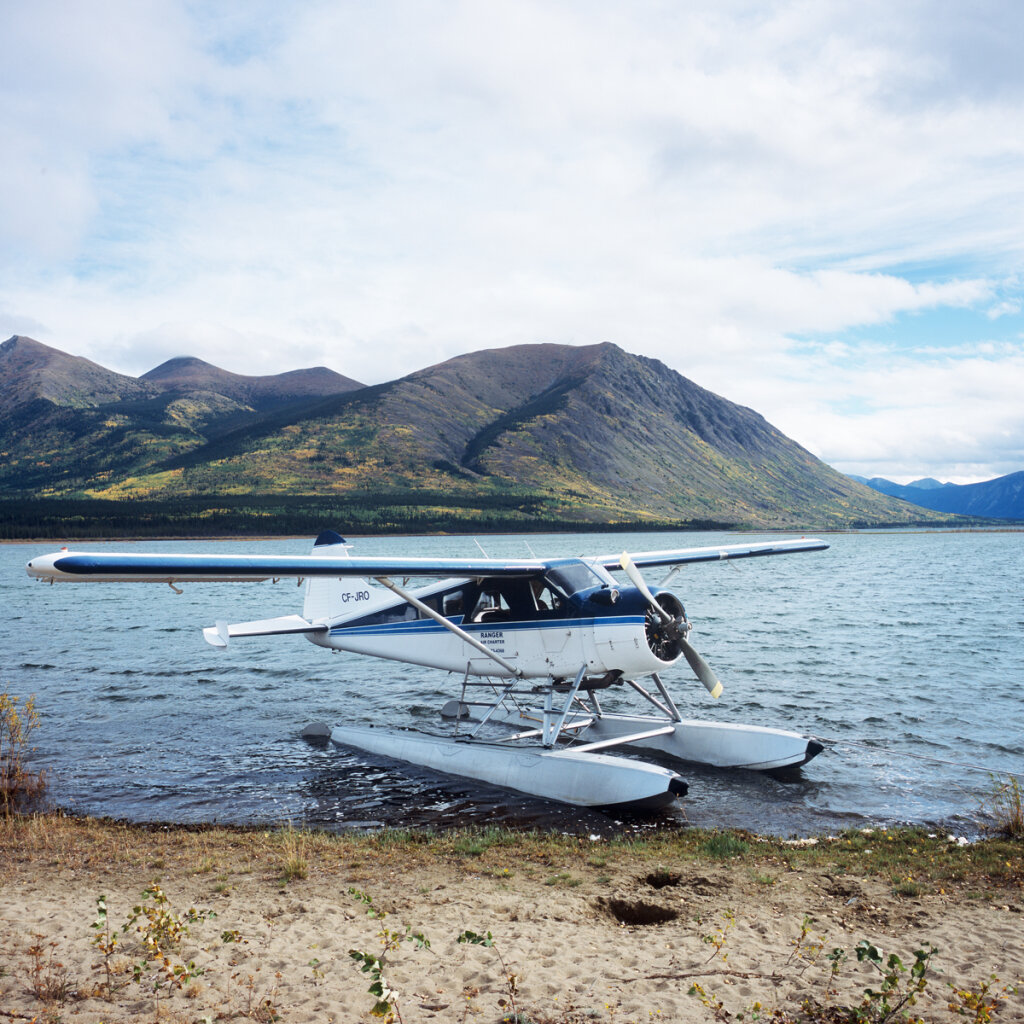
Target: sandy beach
pixel 582 930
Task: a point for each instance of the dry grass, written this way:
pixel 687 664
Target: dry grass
pixel 1007 806
pixel 293 861
pixel 930 861
pixel 20 787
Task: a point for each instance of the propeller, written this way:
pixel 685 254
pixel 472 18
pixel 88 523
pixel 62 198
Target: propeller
pixel 701 669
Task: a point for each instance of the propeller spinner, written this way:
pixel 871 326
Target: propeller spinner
pixel 674 628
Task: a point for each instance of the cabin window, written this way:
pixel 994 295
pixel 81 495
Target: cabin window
pixel 514 599
pixel 544 598
pixel 574 577
pixel 490 607
pixel 401 613
pixel 454 604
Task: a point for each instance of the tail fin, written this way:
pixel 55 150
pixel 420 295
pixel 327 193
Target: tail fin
pixel 328 598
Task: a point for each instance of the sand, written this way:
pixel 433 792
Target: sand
pixel 591 930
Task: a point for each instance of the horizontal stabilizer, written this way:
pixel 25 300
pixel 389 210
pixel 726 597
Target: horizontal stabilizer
pixel 221 633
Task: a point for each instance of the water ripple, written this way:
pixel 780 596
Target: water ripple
pixel 890 645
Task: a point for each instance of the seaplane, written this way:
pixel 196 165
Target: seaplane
pixel 538 643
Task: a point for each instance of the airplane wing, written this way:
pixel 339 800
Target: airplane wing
pixel 652 559
pixel 121 567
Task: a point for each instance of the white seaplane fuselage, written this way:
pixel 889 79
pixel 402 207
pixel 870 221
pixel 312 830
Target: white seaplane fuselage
pixel 540 642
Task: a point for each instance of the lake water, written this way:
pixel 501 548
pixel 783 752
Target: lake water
pixel 892 646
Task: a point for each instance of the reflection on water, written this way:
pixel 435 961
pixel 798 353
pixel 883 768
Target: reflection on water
pixel 887 645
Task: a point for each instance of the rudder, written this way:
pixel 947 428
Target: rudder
pixel 326 597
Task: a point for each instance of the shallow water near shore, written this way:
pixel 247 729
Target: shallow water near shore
pixel 893 647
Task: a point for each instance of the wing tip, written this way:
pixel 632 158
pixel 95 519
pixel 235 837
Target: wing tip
pixel 217 635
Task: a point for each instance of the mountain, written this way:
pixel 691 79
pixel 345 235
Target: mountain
pixel 1002 498
pixel 69 426
pixel 540 433
pixel 31 372
pixel 928 483
pixel 879 483
pixel 186 374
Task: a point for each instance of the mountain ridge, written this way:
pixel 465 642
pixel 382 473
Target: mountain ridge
pixel 32 370
pixel 585 433
pixel 999 498
pixel 189 373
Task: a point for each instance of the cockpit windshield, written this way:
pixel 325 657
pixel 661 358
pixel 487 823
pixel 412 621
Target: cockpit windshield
pixel 575 576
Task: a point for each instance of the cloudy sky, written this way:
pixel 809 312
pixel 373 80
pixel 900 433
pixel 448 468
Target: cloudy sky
pixel 815 209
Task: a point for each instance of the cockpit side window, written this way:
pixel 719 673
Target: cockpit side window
pixel 573 577
pixel 545 598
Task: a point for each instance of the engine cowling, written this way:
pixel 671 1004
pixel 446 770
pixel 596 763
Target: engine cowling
pixel 665 638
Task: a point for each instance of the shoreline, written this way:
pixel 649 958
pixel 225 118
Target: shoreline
pixel 594 930
pixel 231 538
pixel 878 530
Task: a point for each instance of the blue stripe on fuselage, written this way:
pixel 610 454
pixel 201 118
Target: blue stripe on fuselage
pixel 430 626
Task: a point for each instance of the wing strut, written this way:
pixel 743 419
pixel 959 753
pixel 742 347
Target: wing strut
pixel 449 625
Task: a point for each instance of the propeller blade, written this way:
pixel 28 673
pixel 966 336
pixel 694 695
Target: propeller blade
pixel 701 669
pixel 638 581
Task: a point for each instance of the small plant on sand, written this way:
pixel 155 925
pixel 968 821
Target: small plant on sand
pixel 981 1003
pixel 836 959
pixel 511 979
pixel 258 1008
pixel 805 947
pixel 386 1004
pixel 709 999
pixel 48 977
pixel 158 925
pixel 18 785
pixel 160 930
pixel 896 991
pixel 718 937
pixel 899 990
pixel 106 941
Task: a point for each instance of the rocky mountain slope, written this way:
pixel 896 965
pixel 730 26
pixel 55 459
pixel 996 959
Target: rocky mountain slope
pixel 31 371
pixel 588 433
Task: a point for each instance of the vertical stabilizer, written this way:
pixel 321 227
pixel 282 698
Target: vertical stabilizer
pixel 328 598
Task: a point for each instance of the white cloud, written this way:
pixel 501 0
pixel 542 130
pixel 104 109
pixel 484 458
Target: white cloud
pixel 376 188
pixel 957 416
pixel 1008 307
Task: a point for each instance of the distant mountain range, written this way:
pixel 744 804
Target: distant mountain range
pixel 542 433
pixel 1002 498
